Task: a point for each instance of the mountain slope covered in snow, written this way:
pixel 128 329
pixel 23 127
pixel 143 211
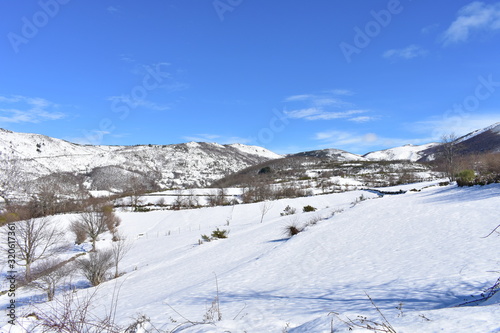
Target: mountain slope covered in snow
pixel 187 164
pixel 408 152
pixel 417 255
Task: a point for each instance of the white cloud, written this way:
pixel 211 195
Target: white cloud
pixel 320 114
pixel 362 119
pixel 476 16
pixel 22 109
pixel 325 106
pixel 342 92
pixel 409 52
pixel 328 98
pixel 298 98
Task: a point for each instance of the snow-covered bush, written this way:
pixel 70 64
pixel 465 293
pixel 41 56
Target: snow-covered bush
pixel 288 211
pixel 308 208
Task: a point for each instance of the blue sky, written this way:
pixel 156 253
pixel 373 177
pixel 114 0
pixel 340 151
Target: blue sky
pixel 287 75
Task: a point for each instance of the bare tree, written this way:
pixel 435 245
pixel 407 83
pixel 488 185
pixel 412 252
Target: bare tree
pixel 136 190
pixel 49 274
pixel 10 177
pixel 449 154
pixel 96 266
pixel 92 223
pixel 119 249
pixel 36 239
pixel 179 201
pixel 218 199
pixel 192 199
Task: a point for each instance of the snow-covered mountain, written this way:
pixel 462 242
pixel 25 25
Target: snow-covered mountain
pixel 485 140
pixel 186 164
pixel 407 152
pixel 334 154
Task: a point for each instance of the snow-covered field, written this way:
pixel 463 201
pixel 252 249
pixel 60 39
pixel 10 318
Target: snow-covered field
pixel 417 255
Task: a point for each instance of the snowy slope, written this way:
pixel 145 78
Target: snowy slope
pixel 407 152
pixel 181 164
pixel 420 249
pixel 333 154
pixel 494 128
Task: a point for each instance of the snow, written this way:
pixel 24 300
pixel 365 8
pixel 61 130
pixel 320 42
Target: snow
pixel 193 164
pixel 423 250
pixel 495 128
pixel 255 150
pixel 408 152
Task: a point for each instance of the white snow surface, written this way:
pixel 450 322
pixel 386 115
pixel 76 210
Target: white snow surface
pixel 423 250
pixel 407 152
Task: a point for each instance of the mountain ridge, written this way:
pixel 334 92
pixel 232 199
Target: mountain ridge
pixel 191 164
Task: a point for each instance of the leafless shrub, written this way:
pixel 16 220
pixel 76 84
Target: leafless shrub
pixel 95 268
pixel 218 199
pixel 112 221
pixel 48 275
pixel 264 208
pixel 72 314
pixel 364 323
pixel 314 220
pixel 119 249
pixel 79 231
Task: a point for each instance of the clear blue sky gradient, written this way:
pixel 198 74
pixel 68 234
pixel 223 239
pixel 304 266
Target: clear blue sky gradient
pixel 287 75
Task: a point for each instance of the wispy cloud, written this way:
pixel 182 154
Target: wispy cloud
pixel 22 109
pixel 113 9
pixel 320 114
pixel 362 119
pixel 324 106
pixel 294 98
pixel 476 16
pixel 127 58
pixel 217 138
pixel 342 92
pixel 410 52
